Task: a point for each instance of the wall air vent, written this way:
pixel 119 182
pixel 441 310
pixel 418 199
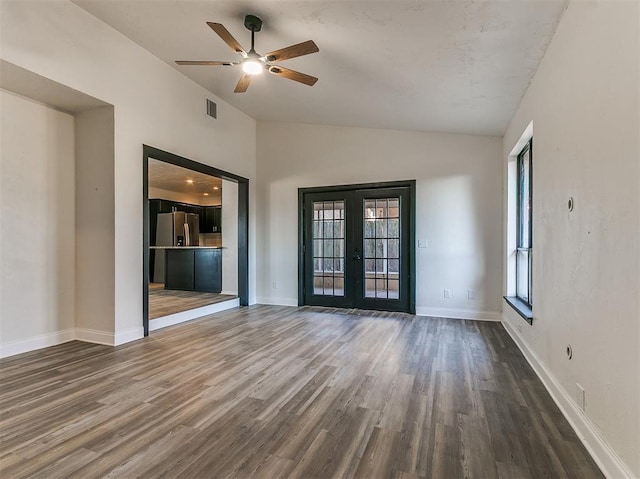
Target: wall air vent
pixel 212 109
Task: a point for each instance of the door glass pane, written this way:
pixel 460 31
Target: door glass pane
pixel 394 208
pixel 318 284
pixel 394 288
pixel 370 248
pixel 394 248
pixel 381 246
pixel 370 288
pixel 328 286
pixel 381 269
pixel 394 268
pixel 370 266
pixel 328 248
pixel 394 228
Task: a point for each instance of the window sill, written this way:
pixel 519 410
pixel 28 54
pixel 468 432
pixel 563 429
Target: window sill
pixel 521 308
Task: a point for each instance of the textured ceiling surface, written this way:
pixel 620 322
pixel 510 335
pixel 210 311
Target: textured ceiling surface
pixel 457 66
pixel 166 176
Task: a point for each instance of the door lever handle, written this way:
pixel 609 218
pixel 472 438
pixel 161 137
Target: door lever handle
pixel 356 256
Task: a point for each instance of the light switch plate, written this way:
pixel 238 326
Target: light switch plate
pixel 423 243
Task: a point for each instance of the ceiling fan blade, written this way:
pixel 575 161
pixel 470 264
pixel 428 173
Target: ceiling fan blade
pixel 227 37
pixel 293 51
pixel 293 75
pixel 243 83
pixel 205 62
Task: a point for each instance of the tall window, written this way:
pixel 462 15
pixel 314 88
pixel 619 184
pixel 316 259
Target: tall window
pixel 524 235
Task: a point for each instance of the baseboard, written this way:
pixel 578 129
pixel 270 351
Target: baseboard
pixel 177 318
pixel 95 336
pixel 230 293
pixel 128 335
pixel 608 461
pixel 37 342
pixel 456 313
pixel 81 334
pixel 277 301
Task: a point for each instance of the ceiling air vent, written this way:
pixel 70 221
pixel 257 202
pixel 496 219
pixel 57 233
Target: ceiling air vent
pixel 212 109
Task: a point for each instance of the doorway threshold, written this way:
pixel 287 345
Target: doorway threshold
pixel 183 316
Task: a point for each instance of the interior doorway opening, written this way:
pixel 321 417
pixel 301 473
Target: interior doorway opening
pixel 195 239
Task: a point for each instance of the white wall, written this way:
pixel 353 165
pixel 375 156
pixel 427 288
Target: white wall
pixel 37 221
pixel 458 210
pixel 584 104
pixel 229 237
pixel 95 223
pixel 154 105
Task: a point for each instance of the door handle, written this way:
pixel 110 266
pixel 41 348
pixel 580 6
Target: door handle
pixel 187 238
pixel 356 256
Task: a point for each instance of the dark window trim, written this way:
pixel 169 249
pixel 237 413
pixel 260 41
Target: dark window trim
pixel 527 148
pixel 243 221
pixel 411 184
pixel 521 307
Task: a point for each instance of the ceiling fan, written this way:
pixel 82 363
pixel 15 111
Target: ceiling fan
pixel 253 63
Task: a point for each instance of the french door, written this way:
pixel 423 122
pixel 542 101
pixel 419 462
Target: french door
pixel 356 248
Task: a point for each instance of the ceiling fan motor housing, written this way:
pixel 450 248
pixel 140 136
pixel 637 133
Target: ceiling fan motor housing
pixel 252 23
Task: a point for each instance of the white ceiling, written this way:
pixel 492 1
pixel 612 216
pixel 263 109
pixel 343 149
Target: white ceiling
pixel 457 66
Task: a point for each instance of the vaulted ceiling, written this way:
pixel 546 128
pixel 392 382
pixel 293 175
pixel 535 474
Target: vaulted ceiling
pixel 457 66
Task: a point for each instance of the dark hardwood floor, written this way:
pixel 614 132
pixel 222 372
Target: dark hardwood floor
pixel 272 392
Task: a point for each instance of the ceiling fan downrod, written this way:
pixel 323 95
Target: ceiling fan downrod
pixel 254 24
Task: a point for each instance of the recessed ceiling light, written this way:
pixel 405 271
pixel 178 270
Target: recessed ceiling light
pixel 206 194
pixel 216 188
pixel 190 182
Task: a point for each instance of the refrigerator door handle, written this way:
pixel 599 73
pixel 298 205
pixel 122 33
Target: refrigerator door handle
pixel 187 238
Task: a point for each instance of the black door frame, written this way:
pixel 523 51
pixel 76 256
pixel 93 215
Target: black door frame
pixel 149 152
pixel 410 184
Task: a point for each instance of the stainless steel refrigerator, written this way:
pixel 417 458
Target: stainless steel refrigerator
pixel 174 229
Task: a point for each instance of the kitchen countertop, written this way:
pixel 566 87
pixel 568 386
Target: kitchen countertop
pixel 186 247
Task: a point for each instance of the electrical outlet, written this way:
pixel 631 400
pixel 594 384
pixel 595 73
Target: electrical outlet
pixel 447 293
pixel 423 243
pixel 471 294
pixel 580 396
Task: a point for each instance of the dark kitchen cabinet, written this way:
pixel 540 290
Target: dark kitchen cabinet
pixel 208 270
pixel 179 269
pixel 162 206
pixel 193 269
pixel 212 219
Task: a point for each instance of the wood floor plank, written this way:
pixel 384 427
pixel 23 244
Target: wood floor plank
pixel 279 392
pixel 163 302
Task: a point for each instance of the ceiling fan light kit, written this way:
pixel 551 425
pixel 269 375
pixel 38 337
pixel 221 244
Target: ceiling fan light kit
pixel 252 66
pixel 252 62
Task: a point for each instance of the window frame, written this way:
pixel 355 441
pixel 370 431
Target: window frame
pixel 528 148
